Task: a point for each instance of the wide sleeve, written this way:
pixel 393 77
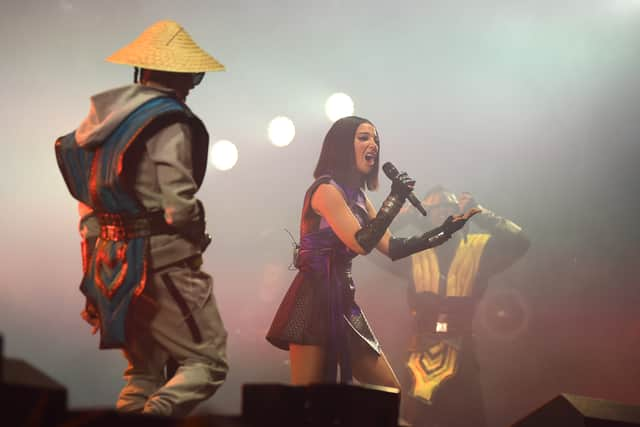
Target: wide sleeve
pixel 507 244
pixel 171 151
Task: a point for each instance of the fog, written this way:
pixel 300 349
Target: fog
pixel 532 106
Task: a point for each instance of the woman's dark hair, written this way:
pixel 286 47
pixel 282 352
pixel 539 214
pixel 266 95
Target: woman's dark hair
pixel 337 157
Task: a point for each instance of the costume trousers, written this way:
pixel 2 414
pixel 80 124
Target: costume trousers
pixel 175 319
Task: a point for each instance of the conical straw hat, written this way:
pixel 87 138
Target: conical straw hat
pixel 166 46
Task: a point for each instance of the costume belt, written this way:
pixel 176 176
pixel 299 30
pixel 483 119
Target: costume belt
pixel 440 317
pixel 441 325
pixel 119 227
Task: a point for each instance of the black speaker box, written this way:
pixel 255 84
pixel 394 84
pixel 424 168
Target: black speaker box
pixel 1 356
pixel 29 397
pixel 568 410
pixel 111 418
pixel 320 405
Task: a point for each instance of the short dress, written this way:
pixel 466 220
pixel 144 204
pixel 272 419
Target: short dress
pixel 319 308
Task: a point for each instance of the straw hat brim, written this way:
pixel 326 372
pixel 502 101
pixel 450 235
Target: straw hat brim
pixel 166 46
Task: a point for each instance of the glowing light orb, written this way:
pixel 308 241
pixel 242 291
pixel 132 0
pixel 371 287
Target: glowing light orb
pixel 223 155
pixel 281 131
pixel 338 105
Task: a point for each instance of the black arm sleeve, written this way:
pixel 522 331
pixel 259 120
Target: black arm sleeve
pixel 403 247
pixel 400 247
pixel 507 244
pixel 369 235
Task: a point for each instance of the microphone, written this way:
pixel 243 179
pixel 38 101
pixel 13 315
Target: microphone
pixel 392 173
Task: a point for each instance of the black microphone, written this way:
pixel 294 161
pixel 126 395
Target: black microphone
pixel 392 173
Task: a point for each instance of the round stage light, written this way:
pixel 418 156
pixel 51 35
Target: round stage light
pixel 338 105
pixel 223 155
pixel 281 131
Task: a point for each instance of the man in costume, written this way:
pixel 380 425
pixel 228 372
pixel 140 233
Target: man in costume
pixel 135 164
pixel 446 284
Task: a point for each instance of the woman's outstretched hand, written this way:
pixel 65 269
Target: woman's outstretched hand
pixel 455 222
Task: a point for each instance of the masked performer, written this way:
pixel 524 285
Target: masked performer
pixel 445 286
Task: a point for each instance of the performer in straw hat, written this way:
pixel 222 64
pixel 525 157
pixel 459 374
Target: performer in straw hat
pixel 135 164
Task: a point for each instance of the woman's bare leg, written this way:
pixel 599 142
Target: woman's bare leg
pixel 370 368
pixel 307 364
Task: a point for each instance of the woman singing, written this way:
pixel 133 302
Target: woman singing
pixel 319 322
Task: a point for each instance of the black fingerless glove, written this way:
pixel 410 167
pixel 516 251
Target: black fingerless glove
pixel 449 227
pixel 401 247
pixel 369 235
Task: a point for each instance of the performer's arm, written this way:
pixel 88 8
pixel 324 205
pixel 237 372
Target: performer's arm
pixel 171 151
pixel 399 269
pixel 89 229
pixel 401 247
pixel 508 241
pixel 329 203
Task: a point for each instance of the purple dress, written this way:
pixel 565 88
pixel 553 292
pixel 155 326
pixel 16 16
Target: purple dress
pixel 319 307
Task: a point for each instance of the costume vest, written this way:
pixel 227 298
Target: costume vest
pixel 444 315
pixel 102 177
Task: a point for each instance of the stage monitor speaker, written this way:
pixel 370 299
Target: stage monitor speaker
pixel 568 410
pixel 320 405
pixel 111 418
pixel 29 397
pixel 1 356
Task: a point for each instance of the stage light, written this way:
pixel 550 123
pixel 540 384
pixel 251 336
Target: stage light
pixel 281 131
pixel 338 105
pixel 223 155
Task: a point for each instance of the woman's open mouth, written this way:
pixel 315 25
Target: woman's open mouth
pixel 371 158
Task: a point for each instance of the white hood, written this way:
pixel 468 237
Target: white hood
pixel 110 108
